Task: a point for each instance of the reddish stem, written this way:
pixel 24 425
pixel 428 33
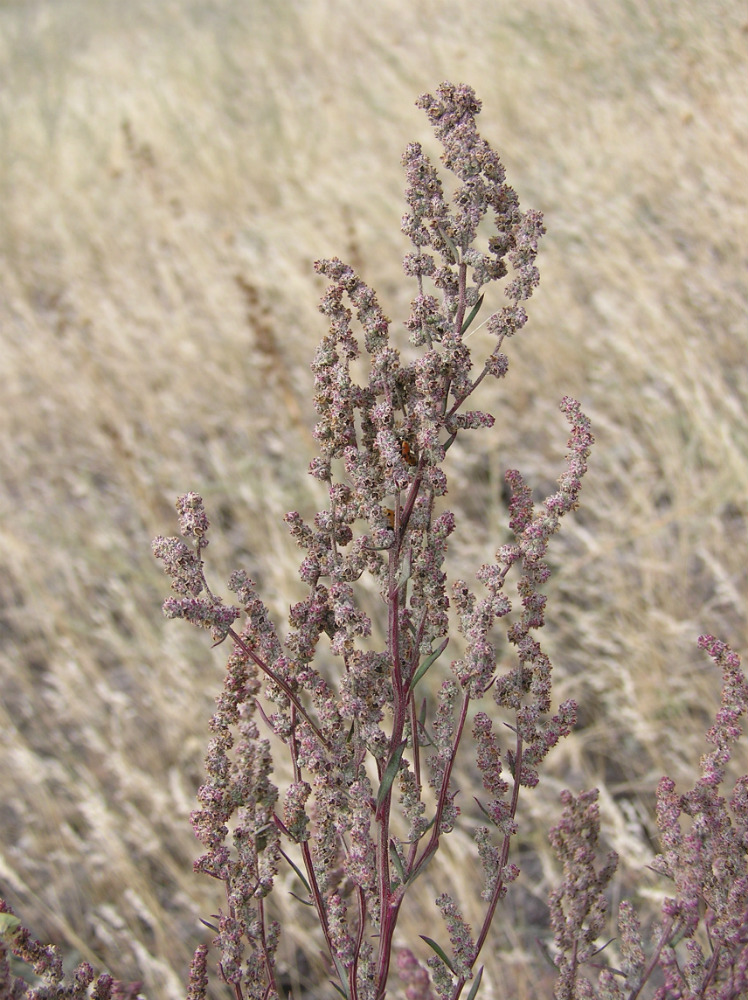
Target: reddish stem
pixel 499 888
pixel 277 679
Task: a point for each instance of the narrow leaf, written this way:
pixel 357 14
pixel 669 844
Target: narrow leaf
pixel 298 871
pixel 397 863
pixel 343 989
pixel 304 902
pixel 485 812
pixel 474 988
pixel 406 571
pixel 427 663
pixel 422 715
pixel 389 773
pixel 439 951
pixel 452 248
pixel 545 951
pixel 473 313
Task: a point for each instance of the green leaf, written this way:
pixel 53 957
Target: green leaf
pixel 474 988
pixel 342 990
pixel 397 863
pixel 452 248
pixel 430 659
pixel 485 812
pixel 304 902
pixel 298 871
pixel 439 951
pixel 421 836
pixel 406 571
pixel 389 773
pixel 9 924
pixel 473 314
pixel 422 715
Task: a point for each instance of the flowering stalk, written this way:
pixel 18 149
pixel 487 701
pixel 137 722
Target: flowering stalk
pixel 707 866
pixel 46 963
pixel 382 446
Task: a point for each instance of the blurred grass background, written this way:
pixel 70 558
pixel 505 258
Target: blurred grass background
pixel 168 173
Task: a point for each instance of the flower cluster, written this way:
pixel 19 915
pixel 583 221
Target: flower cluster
pixel 382 445
pixel 579 906
pixel 707 863
pixel 46 962
pixel 182 559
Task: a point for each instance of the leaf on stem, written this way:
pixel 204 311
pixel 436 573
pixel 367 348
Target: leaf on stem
pixel 389 773
pixel 343 977
pixel 430 659
pixel 485 812
pixel 397 863
pixel 474 988
pixel 473 313
pixel 405 572
pixel 299 873
pixel 439 951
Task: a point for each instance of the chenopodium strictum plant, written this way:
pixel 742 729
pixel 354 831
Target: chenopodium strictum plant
pixel 372 753
pixel 699 948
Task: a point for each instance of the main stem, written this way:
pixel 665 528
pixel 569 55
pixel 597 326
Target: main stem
pixel 389 904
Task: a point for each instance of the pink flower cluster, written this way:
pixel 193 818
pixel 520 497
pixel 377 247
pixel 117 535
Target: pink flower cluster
pixel 382 445
pixel 699 951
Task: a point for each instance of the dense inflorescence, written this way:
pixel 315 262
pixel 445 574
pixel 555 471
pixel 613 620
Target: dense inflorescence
pixel 705 922
pixel 382 446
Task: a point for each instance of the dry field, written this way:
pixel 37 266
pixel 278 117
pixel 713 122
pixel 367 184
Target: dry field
pixel 168 173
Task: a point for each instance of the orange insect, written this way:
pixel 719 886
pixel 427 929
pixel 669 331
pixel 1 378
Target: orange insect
pixel 409 453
